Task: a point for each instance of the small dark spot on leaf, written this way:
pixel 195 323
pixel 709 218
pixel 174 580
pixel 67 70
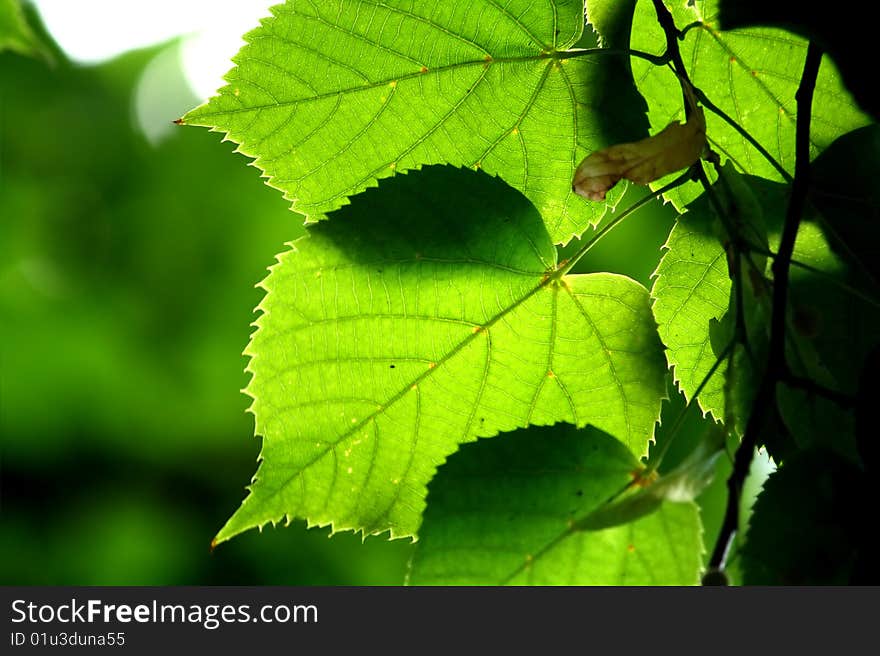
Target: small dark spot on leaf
pixel 579 493
pixel 391 366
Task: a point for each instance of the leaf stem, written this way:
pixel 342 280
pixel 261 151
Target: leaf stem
pixel 715 109
pixel 658 60
pixel 567 265
pixel 673 53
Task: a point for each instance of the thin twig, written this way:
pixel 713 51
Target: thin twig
pixel 566 266
pixel 673 53
pixel 724 116
pixel 777 367
pixel 655 463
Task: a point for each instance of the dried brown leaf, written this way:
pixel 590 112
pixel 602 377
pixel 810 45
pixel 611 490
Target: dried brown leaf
pixel 676 147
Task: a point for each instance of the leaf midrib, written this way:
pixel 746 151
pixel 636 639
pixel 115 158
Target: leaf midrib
pixel 792 119
pixel 559 55
pixel 547 280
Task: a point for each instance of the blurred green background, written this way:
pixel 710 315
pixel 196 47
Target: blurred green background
pixel 129 251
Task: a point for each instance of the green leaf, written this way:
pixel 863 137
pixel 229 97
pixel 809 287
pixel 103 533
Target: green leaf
pixel 830 329
pixel 329 97
pixel 612 21
pixel 15 33
pixel 621 112
pixel 844 39
pixel 752 75
pixel 503 512
pixel 382 347
pixel 833 329
pixel 694 299
pixel 837 326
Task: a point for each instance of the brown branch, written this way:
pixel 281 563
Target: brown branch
pixel 777 367
pixel 672 51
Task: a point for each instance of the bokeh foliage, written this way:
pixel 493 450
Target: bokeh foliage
pixel 127 275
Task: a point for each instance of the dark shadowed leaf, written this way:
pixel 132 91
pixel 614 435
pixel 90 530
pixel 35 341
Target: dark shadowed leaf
pixel 504 512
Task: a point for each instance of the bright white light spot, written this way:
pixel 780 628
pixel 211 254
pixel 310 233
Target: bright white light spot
pixel 162 95
pixel 759 471
pixel 90 31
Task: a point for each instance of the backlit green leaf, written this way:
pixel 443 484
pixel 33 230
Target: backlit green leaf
pixel 504 512
pixel 752 75
pixel 329 97
pixel 845 40
pixel 691 292
pixel 384 345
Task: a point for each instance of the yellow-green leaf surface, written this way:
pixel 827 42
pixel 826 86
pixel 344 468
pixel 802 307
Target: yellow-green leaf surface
pixel 752 75
pixel 505 513
pixel 383 345
pixel 691 290
pixel 330 96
